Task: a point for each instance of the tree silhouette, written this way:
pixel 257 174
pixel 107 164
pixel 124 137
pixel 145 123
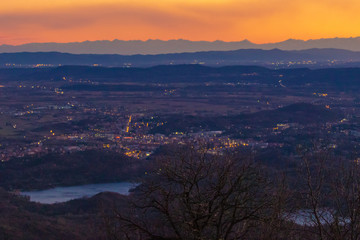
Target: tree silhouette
pixel 195 195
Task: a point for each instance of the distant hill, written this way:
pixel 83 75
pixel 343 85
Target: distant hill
pixel 314 79
pixel 178 46
pixel 272 58
pixel 301 113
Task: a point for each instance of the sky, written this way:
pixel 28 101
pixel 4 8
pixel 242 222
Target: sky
pixel 260 21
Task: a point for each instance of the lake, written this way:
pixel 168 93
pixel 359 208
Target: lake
pixel 305 217
pixel 63 194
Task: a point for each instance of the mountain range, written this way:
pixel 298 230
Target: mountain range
pixel 272 58
pixel 177 46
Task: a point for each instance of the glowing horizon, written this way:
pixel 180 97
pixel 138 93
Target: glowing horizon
pixel 259 21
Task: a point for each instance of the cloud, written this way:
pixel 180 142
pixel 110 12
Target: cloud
pixel 44 20
pixel 257 20
pixel 104 18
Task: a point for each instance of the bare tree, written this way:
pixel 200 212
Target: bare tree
pixel 330 193
pixel 196 195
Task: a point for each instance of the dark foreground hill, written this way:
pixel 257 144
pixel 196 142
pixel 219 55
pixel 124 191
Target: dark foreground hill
pixel 76 168
pixel 77 219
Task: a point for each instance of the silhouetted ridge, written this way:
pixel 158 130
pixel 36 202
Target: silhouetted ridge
pixel 271 57
pixel 177 46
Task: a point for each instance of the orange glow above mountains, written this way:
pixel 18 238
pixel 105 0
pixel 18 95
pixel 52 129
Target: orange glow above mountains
pixel 260 21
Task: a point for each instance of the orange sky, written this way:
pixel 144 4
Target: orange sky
pixel 260 21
